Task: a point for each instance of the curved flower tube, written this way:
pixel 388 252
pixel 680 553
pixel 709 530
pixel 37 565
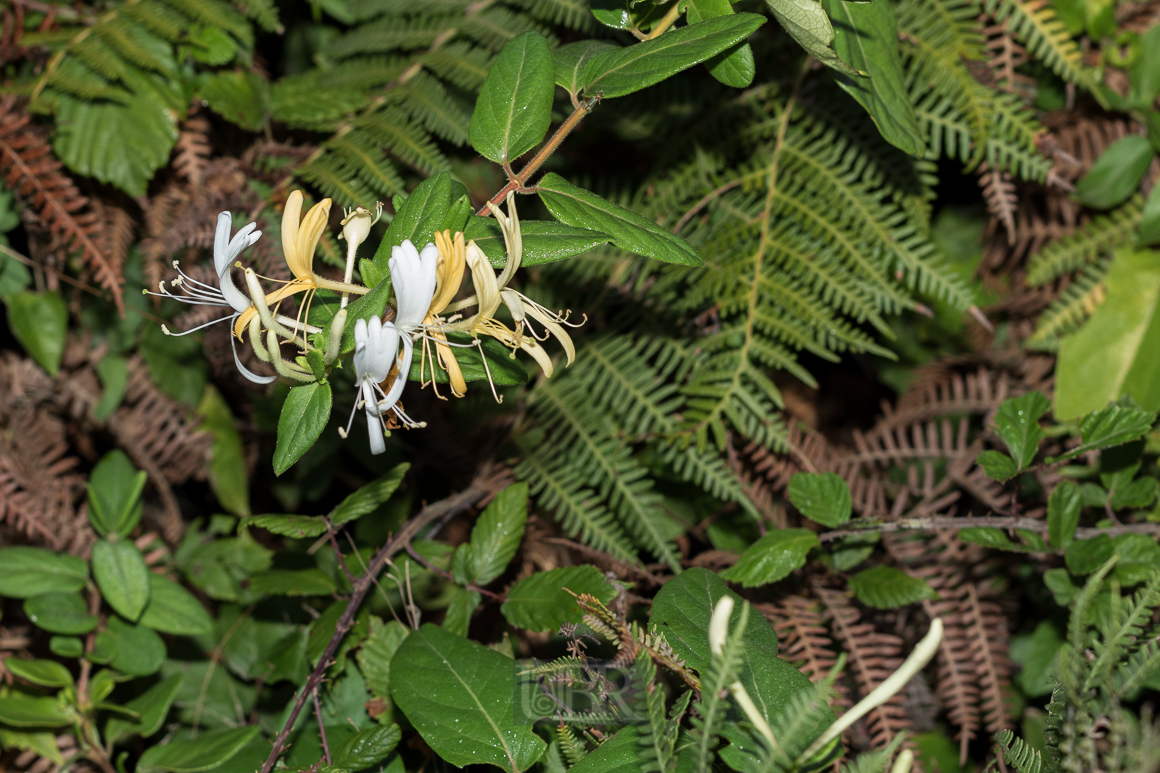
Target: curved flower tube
pixel 414 278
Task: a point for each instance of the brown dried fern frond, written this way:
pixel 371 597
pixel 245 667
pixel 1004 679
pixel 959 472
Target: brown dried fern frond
pixel 999 193
pixel 989 644
pixel 192 151
pixel 1006 56
pixel 873 657
pixel 804 639
pixel 29 169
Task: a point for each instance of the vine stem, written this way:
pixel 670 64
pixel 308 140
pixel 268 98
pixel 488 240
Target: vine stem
pixel 482 485
pixel 985 522
pixel 517 182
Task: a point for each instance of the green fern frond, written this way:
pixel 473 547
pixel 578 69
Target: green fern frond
pixel 161 20
pixel 561 488
pixel 100 57
pixel 264 12
pixel 710 472
pixel 215 13
pixel 1097 238
pixel 74 78
pixel 429 103
pixel 570 745
pixel 460 63
pixel 136 45
pixel 404 139
pixel 728 388
pixel 1067 312
pixel 388 35
pixel 1035 24
pixel 1129 630
pixel 334 174
pixel 497 25
pixel 361 10
pixel 1023 757
pixel 574 14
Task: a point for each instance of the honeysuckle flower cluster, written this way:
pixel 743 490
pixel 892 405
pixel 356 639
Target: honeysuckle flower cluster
pixel 425 282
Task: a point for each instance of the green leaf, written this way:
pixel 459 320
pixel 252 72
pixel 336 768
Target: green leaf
pixel 368 498
pixel 296 526
pixel 460 609
pixel 436 675
pixel 1116 174
pixel 808 24
pixel 1114 425
pixel 67 646
pixel 541 603
pixel 544 241
pixel 997 539
pixel 821 497
pixel 374 658
pixel 497 534
pixel 114 374
pixel 131 649
pixel 151 707
pixel 419 217
pixel 866 36
pixel 115 487
pixel 1035 653
pixel 1058 581
pixel 997 465
pixel 39 321
pixel 241 97
pixel 1085 556
pixel 1139 558
pixel 514 106
pixel 1149 233
pixel 617 73
pixel 619 754
pixel 583 209
pixel 121 141
pixel 681 611
pixel 304 416
pixel 884 587
pixel 772 557
pixel 34 571
pixel 288 582
pixel 46 673
pixel 570 62
pixel 1115 352
pixel 122 577
pixel 20 710
pixel 227 467
pixel 1063 508
pixel 1017 422
pixel 367 747
pixel 1144 73
pixel 64 613
pixel 173 609
pixel 209 750
pixel 734 67
pixel 40 742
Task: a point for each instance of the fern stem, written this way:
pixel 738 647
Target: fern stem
pixel 942 522
pixel 520 180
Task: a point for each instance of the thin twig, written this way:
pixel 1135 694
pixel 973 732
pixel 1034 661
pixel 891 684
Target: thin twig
pixel 453 504
pixel 337 553
pixel 321 729
pixel 446 574
pixel 984 522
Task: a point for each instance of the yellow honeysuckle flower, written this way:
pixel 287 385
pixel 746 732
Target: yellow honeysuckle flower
pixel 300 236
pixel 449 276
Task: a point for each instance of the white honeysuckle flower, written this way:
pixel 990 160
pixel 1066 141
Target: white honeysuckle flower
pixel 375 345
pixel 226 295
pixel 413 277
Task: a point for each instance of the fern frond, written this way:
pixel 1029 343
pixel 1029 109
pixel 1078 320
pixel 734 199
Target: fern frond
pixel 497 25
pixel 404 139
pixel 265 12
pixel 1097 238
pixel 1023 757
pixel 100 57
pixel 74 78
pixel 160 19
pixel 460 63
pixel 561 488
pixel 1035 24
pixel 388 35
pixel 1068 312
pixel 216 13
pixel 574 14
pixel 429 103
pixel 135 44
pixel 1110 650
pixel 330 173
pixel 570 745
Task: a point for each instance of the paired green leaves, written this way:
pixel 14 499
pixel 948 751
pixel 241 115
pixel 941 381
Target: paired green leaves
pixel 620 72
pixel 115 488
pixel 34 571
pixel 1118 423
pixel 304 416
pixel 772 557
pixel 580 208
pixel 436 674
pixel 1115 352
pixel 734 67
pixel 821 497
pixel 884 587
pixel 1017 423
pixel 38 320
pixel 542 602
pixel 122 577
pixel 514 106
pixel 866 36
pixel 1116 174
